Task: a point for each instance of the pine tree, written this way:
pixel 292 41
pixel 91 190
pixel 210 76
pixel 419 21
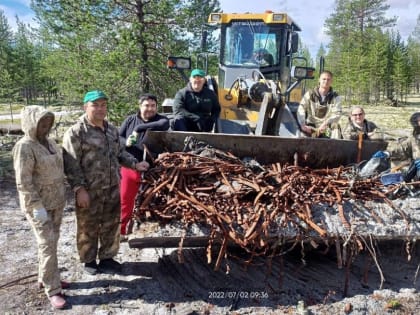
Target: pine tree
pixel 6 36
pixel 413 49
pixel 119 46
pixel 353 29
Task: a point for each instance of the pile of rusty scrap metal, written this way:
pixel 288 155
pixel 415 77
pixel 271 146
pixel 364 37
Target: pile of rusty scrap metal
pixel 250 205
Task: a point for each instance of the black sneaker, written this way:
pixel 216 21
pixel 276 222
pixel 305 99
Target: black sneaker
pixel 109 266
pixel 91 267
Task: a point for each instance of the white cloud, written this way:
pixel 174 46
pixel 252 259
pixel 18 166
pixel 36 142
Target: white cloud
pixel 397 4
pixel 25 16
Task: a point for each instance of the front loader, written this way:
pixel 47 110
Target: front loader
pixel 259 84
pixel 298 194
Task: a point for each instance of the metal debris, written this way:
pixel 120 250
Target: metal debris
pixel 250 206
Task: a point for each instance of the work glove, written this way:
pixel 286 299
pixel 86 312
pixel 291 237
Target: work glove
pixel 40 215
pixel 132 139
pixel 417 164
pixel 380 154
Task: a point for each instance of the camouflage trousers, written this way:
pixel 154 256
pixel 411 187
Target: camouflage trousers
pixel 47 236
pixel 98 227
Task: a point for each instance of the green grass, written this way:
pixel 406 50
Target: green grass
pixel 16 108
pixel 5 108
pixel 6 122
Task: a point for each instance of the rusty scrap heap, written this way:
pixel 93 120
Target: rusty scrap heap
pixel 251 205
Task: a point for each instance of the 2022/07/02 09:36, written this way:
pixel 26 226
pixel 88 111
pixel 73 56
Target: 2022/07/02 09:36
pixel 233 294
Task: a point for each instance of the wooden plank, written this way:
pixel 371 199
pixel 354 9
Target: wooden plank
pixel 202 241
pixel 169 242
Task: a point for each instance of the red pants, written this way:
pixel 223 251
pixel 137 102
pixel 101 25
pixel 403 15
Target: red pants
pixel 130 183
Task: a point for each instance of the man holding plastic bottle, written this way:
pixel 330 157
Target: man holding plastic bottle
pixel 132 133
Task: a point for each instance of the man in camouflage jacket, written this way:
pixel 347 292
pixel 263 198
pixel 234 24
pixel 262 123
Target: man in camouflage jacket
pixel 320 110
pixel 410 149
pixel 92 156
pixel 358 124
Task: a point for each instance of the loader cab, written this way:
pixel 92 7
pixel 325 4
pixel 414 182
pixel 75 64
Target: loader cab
pixel 262 42
pixel 247 46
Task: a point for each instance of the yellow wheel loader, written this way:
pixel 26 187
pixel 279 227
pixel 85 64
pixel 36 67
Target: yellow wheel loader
pixel 259 88
pixel 259 84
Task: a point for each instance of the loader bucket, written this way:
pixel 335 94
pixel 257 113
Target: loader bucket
pixel 312 152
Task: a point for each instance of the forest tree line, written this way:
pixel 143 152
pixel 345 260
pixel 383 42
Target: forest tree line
pixel 121 47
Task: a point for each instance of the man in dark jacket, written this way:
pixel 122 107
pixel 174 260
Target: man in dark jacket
pixel 132 133
pixel 196 107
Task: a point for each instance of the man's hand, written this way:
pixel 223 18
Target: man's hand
pixel 142 166
pixel 131 140
pixel 306 129
pixel 82 198
pixel 40 215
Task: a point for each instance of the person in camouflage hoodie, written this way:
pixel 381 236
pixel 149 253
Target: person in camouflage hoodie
pixel 92 155
pixel 410 149
pixel 38 165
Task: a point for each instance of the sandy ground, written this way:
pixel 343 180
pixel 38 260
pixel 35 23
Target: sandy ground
pixel 155 282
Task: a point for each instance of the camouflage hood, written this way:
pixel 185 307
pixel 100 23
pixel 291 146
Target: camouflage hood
pixel 30 116
pixel 413 119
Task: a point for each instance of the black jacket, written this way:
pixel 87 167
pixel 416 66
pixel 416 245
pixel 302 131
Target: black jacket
pixel 135 123
pixel 196 105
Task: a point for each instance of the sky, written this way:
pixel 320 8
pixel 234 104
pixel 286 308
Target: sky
pixel 308 14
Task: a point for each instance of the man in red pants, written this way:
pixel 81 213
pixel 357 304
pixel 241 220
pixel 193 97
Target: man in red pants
pixel 132 133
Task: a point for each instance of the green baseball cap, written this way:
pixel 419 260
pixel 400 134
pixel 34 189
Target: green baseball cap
pixel 92 96
pixel 197 73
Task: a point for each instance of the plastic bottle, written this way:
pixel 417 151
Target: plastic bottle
pixel 301 308
pixel 375 164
